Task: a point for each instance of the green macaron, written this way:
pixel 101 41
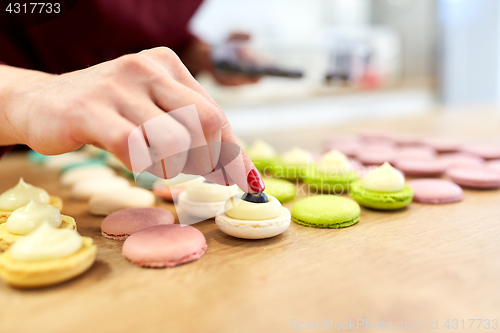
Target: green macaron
pixel 292 172
pixel 281 189
pixel 335 183
pixel 381 200
pixel 264 165
pixel 326 211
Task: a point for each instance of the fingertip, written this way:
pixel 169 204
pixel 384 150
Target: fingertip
pixel 255 182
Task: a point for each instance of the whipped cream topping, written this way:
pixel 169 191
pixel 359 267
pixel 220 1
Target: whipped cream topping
pixel 240 209
pixel 260 150
pixel 25 219
pixel 21 194
pixel 384 179
pixel 334 161
pixel 297 156
pixel 46 242
pixel 201 191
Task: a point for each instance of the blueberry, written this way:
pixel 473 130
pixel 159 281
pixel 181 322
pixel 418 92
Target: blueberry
pixel 255 197
pixel 207 181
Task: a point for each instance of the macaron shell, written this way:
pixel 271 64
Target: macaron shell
pixel 109 202
pixel 375 154
pixel 169 194
pixel 480 178
pixel 121 224
pixel 326 211
pixel 461 159
pixel 347 146
pixel 442 145
pixel 87 172
pixel 203 210
pixel 281 189
pixel 289 171
pixel 435 191
pixel 494 166
pixel 420 167
pixel 406 139
pixel 164 246
pixel 381 200
pixel 416 153
pixel 335 183
pixel 86 188
pixel 488 152
pixel 248 229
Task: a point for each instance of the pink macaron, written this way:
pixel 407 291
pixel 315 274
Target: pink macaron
pixel 406 139
pixel 164 246
pixel 488 152
pixel 461 160
pixel 375 154
pixel 435 191
pixel 474 177
pixel 420 167
pixel 493 166
pixel 442 145
pixel 121 224
pixel 372 135
pixel 347 146
pixel 416 152
pixel 167 193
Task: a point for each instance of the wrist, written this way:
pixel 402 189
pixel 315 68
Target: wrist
pixel 16 88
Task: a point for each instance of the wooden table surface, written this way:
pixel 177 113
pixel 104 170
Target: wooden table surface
pixel 421 264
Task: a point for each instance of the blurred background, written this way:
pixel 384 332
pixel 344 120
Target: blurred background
pixel 335 61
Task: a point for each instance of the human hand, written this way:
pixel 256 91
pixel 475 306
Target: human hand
pixel 103 104
pixel 198 57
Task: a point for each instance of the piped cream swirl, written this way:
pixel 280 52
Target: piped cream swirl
pixel 45 243
pixel 21 194
pixel 261 150
pixel 384 179
pixel 297 156
pixel 240 209
pixel 201 191
pixel 334 161
pixel 25 219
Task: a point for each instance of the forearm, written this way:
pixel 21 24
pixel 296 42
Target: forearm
pixel 15 85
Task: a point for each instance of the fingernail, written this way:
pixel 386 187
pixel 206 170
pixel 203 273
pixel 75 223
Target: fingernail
pixel 255 181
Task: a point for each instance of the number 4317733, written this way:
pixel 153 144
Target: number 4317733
pixel 33 8
pixel 471 324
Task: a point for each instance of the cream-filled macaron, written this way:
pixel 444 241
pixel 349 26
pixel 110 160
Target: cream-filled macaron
pixel 21 195
pixel 132 197
pixel 262 155
pixel 46 256
pixel 26 219
pixel 253 216
pixel 203 199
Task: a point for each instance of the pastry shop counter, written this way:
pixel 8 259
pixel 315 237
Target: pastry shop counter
pixel 420 264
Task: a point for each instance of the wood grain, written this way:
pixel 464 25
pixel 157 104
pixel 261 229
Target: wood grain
pixel 415 265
